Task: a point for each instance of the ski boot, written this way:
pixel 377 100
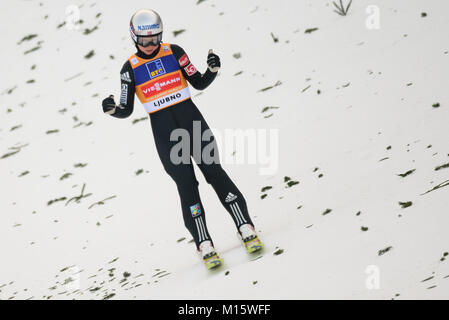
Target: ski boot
pixel 250 239
pixel 210 257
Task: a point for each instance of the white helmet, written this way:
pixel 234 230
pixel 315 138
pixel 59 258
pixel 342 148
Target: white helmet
pixel 146 28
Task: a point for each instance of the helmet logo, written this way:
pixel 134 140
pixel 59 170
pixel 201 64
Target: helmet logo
pixel 147 27
pixel 133 35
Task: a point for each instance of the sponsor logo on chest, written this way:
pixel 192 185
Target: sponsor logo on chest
pixel 161 85
pixel 170 99
pixel 155 68
pixel 134 61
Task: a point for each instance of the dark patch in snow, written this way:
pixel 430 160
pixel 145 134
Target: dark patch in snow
pixel 278 83
pixel 403 175
pixel 266 188
pixel 15 127
pixel 17 149
pixel 383 251
pixel 27 38
pixel 310 30
pixel 178 32
pixel 140 119
pixel 89 31
pixel 65 176
pixel 278 252
pixel 90 54
pixel 341 10
pixel 101 202
pixel 77 199
pixel 24 173
pixel 441 185
pixel 405 204
pixel 443 166
pixel 32 49
pixel 290 182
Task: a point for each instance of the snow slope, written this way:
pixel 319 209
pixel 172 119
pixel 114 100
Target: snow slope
pixel 87 211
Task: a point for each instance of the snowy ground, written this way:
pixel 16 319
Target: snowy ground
pixel 87 211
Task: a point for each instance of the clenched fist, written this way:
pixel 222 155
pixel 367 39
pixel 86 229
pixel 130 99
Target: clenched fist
pixel 109 105
pixel 213 61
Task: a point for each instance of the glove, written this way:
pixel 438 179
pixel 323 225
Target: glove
pixel 213 61
pixel 109 105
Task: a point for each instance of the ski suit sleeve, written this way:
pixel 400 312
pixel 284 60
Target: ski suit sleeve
pixel 194 77
pixel 126 105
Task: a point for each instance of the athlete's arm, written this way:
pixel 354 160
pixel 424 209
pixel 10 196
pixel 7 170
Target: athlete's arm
pixel 126 106
pixel 194 77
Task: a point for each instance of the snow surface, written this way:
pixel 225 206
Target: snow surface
pixel 362 105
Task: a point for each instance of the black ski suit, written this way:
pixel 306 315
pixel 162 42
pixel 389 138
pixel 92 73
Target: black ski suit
pixel 186 115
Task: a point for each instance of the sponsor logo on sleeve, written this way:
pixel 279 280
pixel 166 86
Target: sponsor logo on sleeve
pixel 124 94
pixel 190 69
pixel 184 60
pixel 125 77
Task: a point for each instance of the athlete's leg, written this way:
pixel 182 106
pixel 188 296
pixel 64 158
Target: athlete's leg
pixel 163 123
pixel 228 193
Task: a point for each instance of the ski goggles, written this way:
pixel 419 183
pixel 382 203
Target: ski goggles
pixel 146 41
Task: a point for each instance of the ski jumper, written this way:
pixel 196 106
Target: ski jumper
pixel 160 81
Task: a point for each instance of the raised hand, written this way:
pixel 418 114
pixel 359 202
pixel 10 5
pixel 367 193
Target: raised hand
pixel 213 61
